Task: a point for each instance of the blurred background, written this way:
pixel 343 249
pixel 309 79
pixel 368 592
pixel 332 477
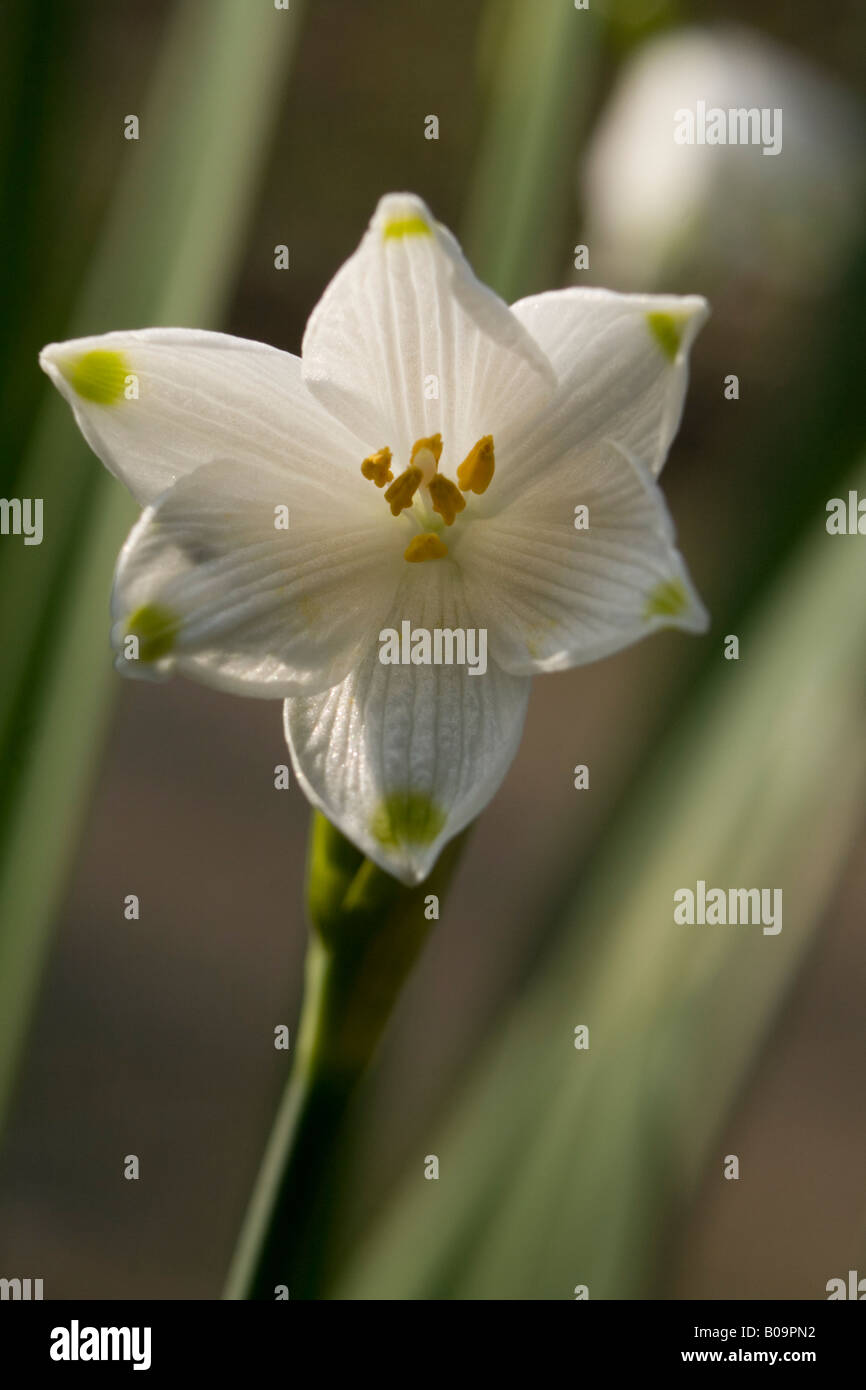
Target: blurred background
pixel 558 1167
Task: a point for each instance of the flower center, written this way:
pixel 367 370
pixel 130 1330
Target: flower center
pixel 422 489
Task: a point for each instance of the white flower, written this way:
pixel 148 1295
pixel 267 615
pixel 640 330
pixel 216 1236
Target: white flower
pixel 412 374
pixel 659 210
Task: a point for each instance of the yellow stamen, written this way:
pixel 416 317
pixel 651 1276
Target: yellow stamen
pixel 426 546
pixel 403 489
pixel 446 498
pixel 433 442
pixel 476 470
pixel 378 467
pixel 425 455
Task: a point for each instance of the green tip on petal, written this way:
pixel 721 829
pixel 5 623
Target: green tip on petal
pixel 667 329
pixel 668 600
pixel 407 818
pixel 405 226
pixel 156 627
pixel 98 376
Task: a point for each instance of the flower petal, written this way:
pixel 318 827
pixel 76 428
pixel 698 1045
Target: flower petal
pixel 157 403
pixel 622 367
pixel 406 343
pixel 401 758
pixel 213 583
pixel 555 596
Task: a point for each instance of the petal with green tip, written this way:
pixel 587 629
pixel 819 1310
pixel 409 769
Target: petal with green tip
pixel 201 397
pixel 405 342
pixel 99 375
pixel 615 379
pixel 255 609
pixel 401 758
pixel 555 597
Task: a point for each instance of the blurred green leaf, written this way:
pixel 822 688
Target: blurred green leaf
pixel 541 77
pixel 166 257
pixel 562 1167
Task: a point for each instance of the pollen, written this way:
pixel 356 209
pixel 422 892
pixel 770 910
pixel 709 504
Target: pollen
pixel 426 546
pixel 403 489
pixel 476 471
pixel 98 376
pixel 446 497
pixel 377 467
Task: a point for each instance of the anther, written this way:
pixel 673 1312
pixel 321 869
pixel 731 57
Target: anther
pixel 446 498
pixel 426 546
pixel 476 471
pixel 426 454
pixel 403 489
pixel 378 467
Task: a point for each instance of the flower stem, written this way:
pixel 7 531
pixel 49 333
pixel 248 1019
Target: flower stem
pixel 367 932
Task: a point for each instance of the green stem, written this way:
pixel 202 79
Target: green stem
pixel 367 933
